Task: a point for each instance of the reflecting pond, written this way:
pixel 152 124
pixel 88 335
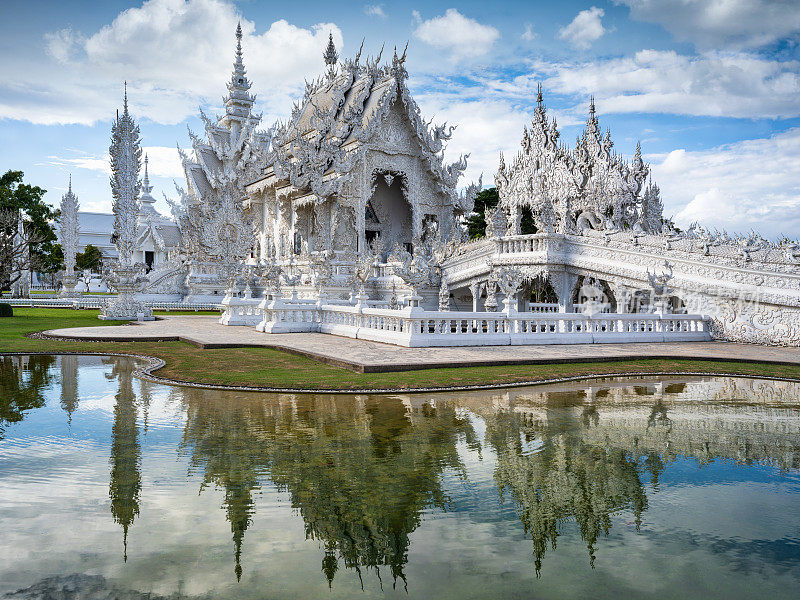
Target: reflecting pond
pixel 113 487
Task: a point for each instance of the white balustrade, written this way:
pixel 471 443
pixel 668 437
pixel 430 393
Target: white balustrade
pixel 515 244
pixel 96 302
pixel 417 327
pixel 241 311
pixel 542 307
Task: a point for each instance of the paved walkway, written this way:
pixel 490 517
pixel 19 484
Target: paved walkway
pixel 371 357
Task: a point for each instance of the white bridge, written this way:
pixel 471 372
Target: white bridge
pixel 749 294
pixel 723 291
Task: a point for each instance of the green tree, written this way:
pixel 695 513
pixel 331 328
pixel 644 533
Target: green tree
pixel 91 259
pixel 26 249
pixel 360 475
pixel 50 263
pixel 489 198
pixel 87 262
pixel 476 222
pixel 22 383
pixel 527 224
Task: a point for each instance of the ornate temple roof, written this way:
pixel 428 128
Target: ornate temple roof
pixel 338 116
pixel 591 178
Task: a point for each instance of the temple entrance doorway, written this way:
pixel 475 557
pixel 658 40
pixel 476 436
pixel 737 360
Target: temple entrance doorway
pixel 388 213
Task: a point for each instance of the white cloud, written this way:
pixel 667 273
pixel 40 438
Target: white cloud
pixel 459 35
pixel 751 184
pixel 175 54
pixel 712 84
pixel 732 24
pixel 485 128
pixel 164 161
pixel 163 167
pixel 529 34
pixel 63 44
pixel 585 29
pixel 374 10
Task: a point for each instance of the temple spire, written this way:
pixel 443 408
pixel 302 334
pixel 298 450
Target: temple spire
pixel 592 130
pixel 539 111
pixel 238 64
pixel 330 55
pixel 147 202
pixel 239 101
pixel 146 181
pixel 239 39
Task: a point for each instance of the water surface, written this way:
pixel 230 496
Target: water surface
pixel 672 487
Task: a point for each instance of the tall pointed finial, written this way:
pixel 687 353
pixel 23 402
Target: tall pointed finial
pixel 125 98
pixel 591 106
pixel 146 181
pixel 238 63
pixel 239 101
pixel 330 55
pixel 70 184
pixel 239 41
pixel 539 93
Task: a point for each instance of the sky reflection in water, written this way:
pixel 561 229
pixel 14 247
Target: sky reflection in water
pixel 685 487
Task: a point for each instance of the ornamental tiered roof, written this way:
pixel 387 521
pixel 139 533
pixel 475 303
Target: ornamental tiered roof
pixel 561 185
pixel 338 118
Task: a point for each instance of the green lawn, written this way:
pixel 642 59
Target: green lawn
pixel 272 368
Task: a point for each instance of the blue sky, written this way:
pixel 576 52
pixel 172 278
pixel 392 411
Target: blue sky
pixel 710 87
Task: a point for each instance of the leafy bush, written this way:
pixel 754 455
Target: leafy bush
pixel 5 310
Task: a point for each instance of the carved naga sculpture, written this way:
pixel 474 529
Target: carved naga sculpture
pixel 588 220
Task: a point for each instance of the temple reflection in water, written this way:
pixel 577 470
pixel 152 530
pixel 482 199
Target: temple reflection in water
pixel 363 471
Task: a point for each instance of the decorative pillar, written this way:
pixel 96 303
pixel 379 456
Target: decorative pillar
pixel 126 277
pixel 416 220
pixel 623 295
pixel 514 221
pixel 22 286
pixel 444 295
pixel 491 294
pixel 68 232
pixel 563 284
pixel 475 290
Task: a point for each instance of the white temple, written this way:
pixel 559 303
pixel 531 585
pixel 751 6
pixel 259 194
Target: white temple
pixel 345 219
pixel 355 163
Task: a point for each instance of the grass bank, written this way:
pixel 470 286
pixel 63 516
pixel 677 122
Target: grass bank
pixel 266 367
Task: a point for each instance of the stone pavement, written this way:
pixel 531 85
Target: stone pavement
pixel 372 357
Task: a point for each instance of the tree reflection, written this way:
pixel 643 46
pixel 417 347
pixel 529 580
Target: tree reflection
pixel 22 383
pixel 359 471
pixel 126 451
pixel 565 478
